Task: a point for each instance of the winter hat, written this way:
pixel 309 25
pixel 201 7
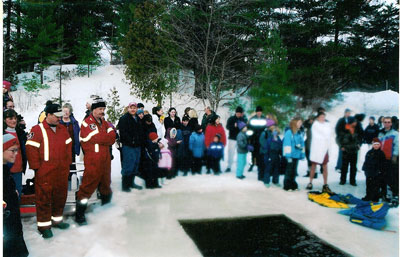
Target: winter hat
pixel 351 120
pixel 7 85
pixel 259 109
pixel 376 141
pixel 54 109
pixel 140 111
pixel 8 141
pixel 153 136
pixel 132 104
pixel 241 125
pixel 239 109
pixel 140 105
pixel 97 103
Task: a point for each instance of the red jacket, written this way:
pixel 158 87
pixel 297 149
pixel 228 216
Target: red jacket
pixel 211 131
pixel 96 138
pixel 45 147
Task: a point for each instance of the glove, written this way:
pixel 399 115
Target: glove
pixel 289 160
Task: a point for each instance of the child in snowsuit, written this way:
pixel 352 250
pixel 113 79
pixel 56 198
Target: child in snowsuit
pixel 197 146
pixel 242 149
pixel 272 149
pixel 215 153
pixel 152 156
pixel 184 155
pixel 165 162
pixel 373 168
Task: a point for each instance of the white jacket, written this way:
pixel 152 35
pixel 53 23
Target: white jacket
pixel 160 127
pixel 320 141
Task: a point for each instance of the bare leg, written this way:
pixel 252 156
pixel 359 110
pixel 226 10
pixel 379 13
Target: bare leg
pixel 325 174
pixel 312 171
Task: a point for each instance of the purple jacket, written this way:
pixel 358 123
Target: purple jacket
pixel 76 128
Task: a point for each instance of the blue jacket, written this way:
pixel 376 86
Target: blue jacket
pixel 197 145
pixel 76 128
pixel 183 148
pixel 216 150
pixel 293 145
pixel 272 148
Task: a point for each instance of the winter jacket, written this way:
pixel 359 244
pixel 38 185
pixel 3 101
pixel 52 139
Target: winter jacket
pixel 207 120
pixel 213 130
pixel 373 164
pixel 230 125
pixel 13 239
pixel 130 131
pixel 320 142
pixel 173 142
pixel 242 143
pixel 263 141
pixel 216 150
pixel 350 142
pixel 193 122
pixel 257 125
pixel 183 148
pixel 75 135
pixel 196 144
pixel 293 145
pixel 152 153
pixel 160 127
pixel 147 129
pixel 370 133
pixel 272 148
pixel 340 125
pixel 165 161
pixel 390 143
pixel 169 123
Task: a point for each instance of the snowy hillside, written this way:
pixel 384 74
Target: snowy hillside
pixel 145 223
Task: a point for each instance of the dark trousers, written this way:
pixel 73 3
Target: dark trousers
pixel 349 159
pixel 261 166
pixel 391 178
pixel 290 175
pixel 272 166
pixel 196 165
pixel 214 164
pixel 373 193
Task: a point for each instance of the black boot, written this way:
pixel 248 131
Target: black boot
pixel 133 185
pixel 105 199
pixel 125 184
pixel 80 213
pixel 251 168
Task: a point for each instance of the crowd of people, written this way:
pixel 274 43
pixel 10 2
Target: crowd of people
pixel 158 147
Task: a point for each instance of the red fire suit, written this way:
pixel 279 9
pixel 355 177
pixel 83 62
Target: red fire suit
pixel 96 140
pixel 49 153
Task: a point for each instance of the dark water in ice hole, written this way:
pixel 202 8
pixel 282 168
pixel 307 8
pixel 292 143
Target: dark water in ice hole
pixel 274 235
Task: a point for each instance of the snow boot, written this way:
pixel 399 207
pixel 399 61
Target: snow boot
pixel 47 233
pixel 394 202
pixel 61 225
pixel 132 183
pixel 228 170
pixel 309 186
pixel 105 199
pixel 251 168
pixel 80 212
pixel 126 184
pixel 326 189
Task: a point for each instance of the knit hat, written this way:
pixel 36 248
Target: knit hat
pixel 241 125
pixel 97 103
pixel 6 85
pixel 153 136
pixel 140 111
pixel 54 109
pixel 376 141
pixel 259 109
pixel 239 109
pixel 8 141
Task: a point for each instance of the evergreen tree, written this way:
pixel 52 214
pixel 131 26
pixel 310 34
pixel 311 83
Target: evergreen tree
pixel 272 89
pixel 148 54
pixel 87 47
pixel 114 111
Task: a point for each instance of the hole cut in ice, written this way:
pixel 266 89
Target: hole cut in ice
pixel 272 235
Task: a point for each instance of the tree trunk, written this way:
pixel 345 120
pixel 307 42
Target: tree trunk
pixel 41 76
pixel 60 82
pixel 18 59
pixel 88 70
pixel 7 42
pixel 198 86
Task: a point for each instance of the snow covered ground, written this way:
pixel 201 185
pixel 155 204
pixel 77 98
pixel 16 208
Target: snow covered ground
pixel 145 223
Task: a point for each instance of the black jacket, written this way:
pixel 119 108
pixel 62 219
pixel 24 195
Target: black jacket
pixel 13 238
pixel 370 133
pixel 373 164
pixel 230 125
pixel 169 123
pixel 130 131
pixel 350 142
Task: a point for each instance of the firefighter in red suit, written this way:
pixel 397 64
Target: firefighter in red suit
pixel 48 150
pixel 96 138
